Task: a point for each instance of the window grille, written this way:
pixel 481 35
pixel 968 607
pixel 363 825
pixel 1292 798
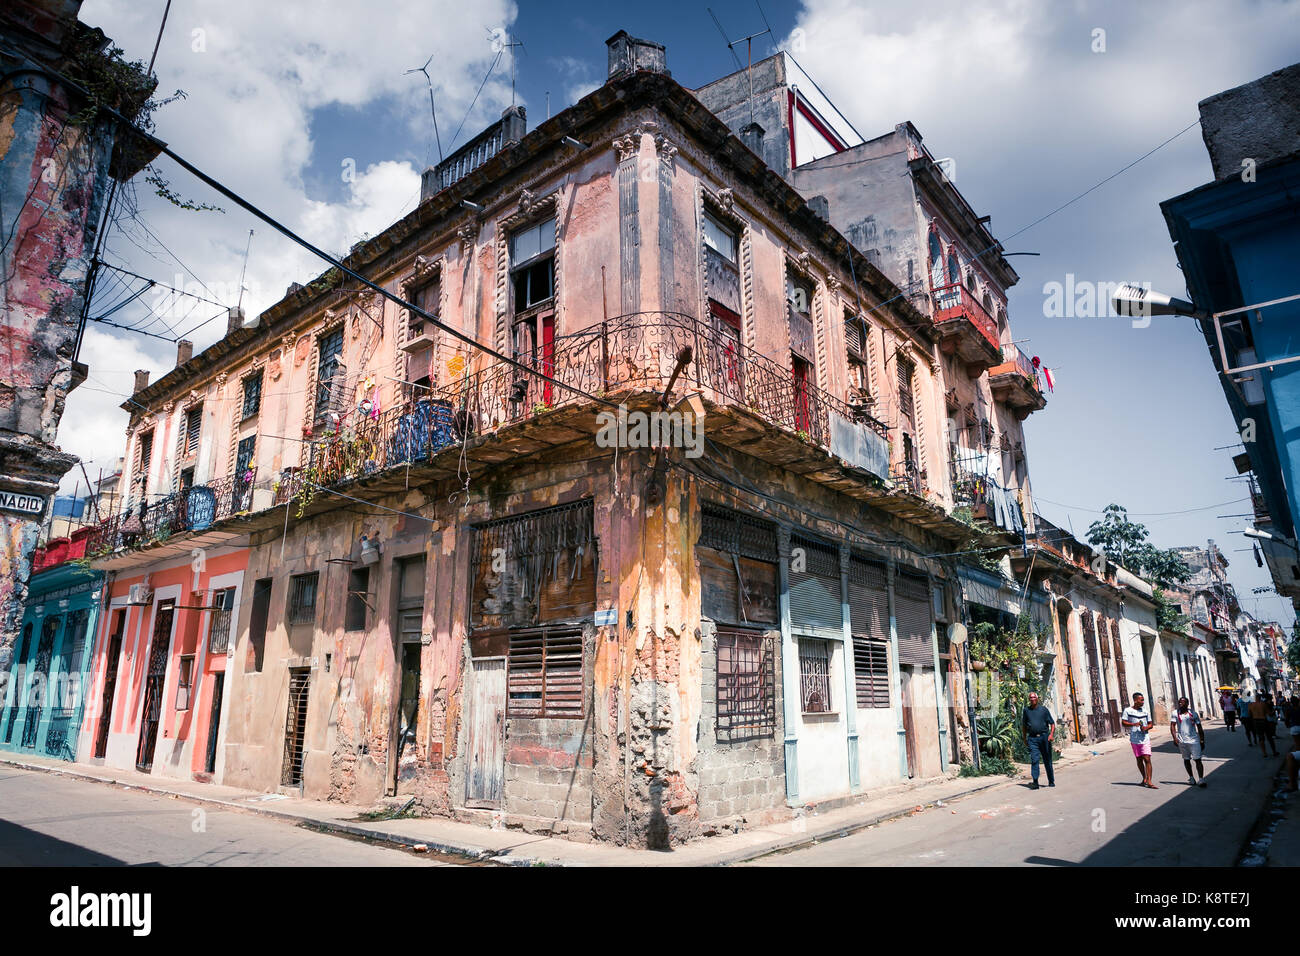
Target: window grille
pixel 746 684
pixel 815 676
pixel 302 598
pixel 219 621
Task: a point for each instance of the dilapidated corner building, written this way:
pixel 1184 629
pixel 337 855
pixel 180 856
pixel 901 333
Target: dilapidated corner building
pixel 669 575
pixel 58 154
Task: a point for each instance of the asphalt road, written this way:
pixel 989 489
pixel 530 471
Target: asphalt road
pixel 1097 815
pixel 48 820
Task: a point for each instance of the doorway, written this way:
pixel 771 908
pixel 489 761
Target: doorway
pixel 156 677
pixel 110 684
pixel 485 782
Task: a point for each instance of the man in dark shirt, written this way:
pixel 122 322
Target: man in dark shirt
pixel 1037 725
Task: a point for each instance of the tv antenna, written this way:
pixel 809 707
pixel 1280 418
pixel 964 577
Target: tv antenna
pixel 513 42
pixel 243 270
pixel 749 50
pixel 433 112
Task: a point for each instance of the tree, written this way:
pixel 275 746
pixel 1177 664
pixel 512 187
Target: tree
pixel 1125 542
pixel 1116 534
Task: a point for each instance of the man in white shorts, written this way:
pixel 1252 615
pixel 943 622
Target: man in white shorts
pixel 1186 727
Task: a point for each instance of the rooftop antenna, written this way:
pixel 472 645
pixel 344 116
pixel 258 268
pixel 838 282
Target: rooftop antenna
pixel 433 112
pixel 749 53
pixel 243 270
pixel 514 42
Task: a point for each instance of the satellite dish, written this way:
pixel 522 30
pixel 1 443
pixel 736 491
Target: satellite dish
pixel 957 634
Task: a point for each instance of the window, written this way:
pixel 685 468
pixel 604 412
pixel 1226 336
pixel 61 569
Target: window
pixel 719 237
pixel 532 329
pixel 419 337
pixel 257 624
pixel 871 671
pixel 745 686
pixel 302 598
pixel 798 301
pixel 535 568
pixel 330 375
pixel 544 674
pixel 145 457
pixel 223 602
pixel 354 618
pixel 869 624
pixel 193 429
pixel 905 374
pixel 815 676
pixel 252 394
pixel 184 682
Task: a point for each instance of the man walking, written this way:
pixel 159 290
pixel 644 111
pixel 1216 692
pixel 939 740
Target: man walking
pixel 1138 721
pixel 1258 711
pixel 1229 711
pixel 1038 727
pixel 1247 722
pixel 1187 730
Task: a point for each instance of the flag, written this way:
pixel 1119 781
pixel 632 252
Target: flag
pixel 1051 379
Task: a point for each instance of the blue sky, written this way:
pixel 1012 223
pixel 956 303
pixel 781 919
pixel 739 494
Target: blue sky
pixel 282 97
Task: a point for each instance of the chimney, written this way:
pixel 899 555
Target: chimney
pixel 751 134
pixel 514 124
pixel 184 352
pixel 821 206
pixel 629 55
pixel 234 319
pixel 141 379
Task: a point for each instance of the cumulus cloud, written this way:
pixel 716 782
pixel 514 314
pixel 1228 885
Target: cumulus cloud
pixel 256 75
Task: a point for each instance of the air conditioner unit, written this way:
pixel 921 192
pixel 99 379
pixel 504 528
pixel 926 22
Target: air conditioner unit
pixel 139 594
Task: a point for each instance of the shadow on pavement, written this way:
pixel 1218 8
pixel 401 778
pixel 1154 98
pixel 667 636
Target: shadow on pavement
pixel 20 846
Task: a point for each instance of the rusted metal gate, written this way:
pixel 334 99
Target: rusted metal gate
pixel 486 778
pixel 1098 719
pixel 156 677
pixel 1112 705
pixel 110 685
pixel 295 726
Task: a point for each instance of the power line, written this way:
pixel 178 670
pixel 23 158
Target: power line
pixel 1140 514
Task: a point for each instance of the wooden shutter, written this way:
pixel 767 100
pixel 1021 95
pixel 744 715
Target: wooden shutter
pixel 912 608
pixel 815 591
pixel 869 622
pixel 544 677
pixel 737 558
pixel 193 428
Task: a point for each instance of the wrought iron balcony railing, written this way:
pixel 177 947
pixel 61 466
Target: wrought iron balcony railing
pixel 193 509
pixel 955 302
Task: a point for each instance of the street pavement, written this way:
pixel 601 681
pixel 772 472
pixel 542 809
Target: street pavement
pixel 50 820
pixel 1097 815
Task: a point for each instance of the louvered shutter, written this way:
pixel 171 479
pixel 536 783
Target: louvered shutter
pixel 869 623
pixel 544 676
pixel 815 591
pixel 912 609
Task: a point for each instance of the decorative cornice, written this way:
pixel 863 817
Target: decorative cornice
pixel 628 144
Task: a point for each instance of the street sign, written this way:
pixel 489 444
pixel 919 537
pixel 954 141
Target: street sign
pixel 24 504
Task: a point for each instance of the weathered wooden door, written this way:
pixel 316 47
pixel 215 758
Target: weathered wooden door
pixel 155 678
pixel 487 716
pixel 214 722
pixel 110 687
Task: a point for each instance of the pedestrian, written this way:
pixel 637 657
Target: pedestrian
pixel 1038 727
pixel 1229 706
pixel 1247 724
pixel 1187 729
pixel 1138 721
pixel 1292 713
pixel 1258 711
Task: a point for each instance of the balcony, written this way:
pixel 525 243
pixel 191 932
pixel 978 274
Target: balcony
pixel 1016 383
pixel 966 330
pixel 753 405
pixel 180 516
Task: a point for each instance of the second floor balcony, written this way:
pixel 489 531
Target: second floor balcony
pixel 1017 383
pixel 966 329
pixel 753 405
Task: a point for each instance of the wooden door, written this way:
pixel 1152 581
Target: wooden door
pixel 214 721
pixel 110 687
pixel 487 715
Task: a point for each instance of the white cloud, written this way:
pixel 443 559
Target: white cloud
pixel 253 73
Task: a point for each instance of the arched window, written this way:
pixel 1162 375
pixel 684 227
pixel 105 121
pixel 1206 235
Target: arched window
pixel 954 270
pixel 936 261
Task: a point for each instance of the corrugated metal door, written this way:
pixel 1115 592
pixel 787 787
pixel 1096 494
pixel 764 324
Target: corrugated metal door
pixel 486 778
pixel 815 585
pixel 912 610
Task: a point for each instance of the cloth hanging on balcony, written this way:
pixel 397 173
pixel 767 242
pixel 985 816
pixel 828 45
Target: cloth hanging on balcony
pixel 1049 378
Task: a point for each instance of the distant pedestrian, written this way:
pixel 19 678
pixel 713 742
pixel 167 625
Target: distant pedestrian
pixel 1258 711
pixel 1186 727
pixel 1229 707
pixel 1038 727
pixel 1138 721
pixel 1292 714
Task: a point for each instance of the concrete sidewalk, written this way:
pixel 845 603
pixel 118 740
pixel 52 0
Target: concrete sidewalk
pixel 516 848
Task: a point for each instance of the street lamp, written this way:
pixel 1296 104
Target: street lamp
pixel 1136 302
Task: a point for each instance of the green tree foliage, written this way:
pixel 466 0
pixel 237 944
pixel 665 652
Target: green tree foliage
pixel 1125 542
